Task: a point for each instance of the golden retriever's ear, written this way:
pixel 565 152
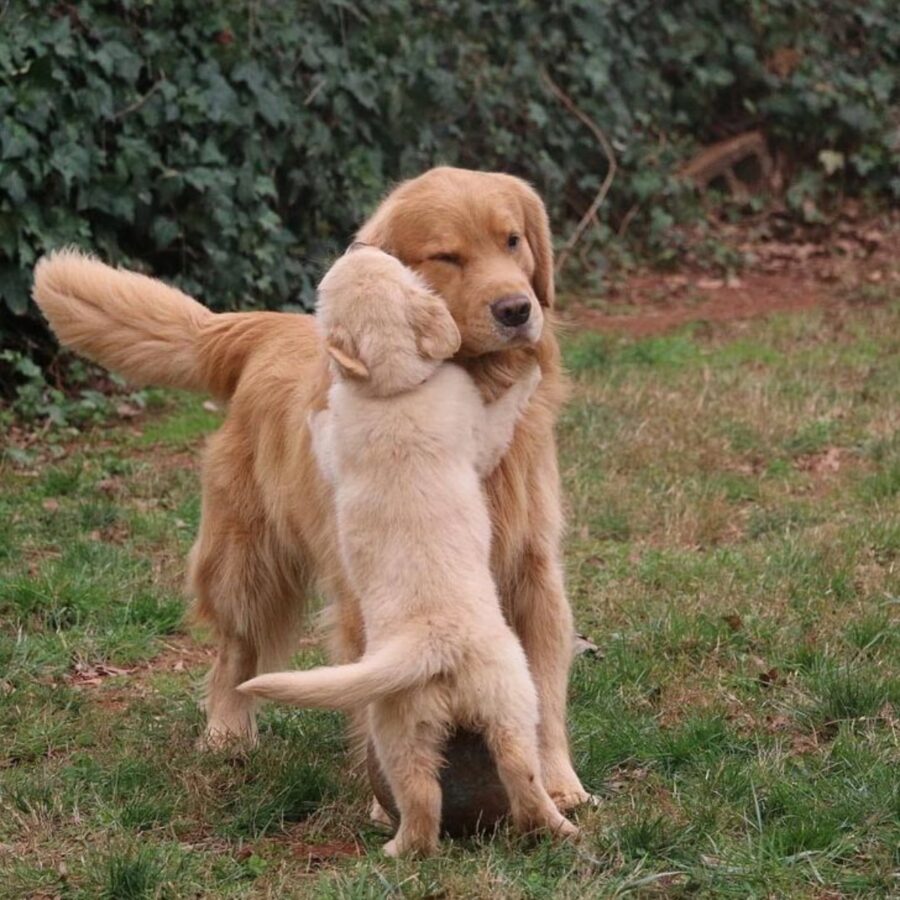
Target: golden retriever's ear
pixel 537 233
pixel 341 348
pixel 437 336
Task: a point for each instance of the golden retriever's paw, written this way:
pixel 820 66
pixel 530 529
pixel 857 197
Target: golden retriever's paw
pixel 218 739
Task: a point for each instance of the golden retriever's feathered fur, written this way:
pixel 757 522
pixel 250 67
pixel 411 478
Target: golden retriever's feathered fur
pixel 267 531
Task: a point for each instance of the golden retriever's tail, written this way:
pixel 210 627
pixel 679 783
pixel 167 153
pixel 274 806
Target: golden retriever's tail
pixel 393 668
pixel 139 327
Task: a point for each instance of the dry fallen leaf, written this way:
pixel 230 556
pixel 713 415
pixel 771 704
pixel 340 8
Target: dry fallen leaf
pixel 584 646
pixel 127 411
pixel 317 853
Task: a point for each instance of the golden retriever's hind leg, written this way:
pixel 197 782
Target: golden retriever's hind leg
pixel 231 717
pixel 252 595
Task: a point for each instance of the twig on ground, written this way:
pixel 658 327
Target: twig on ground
pixel 612 166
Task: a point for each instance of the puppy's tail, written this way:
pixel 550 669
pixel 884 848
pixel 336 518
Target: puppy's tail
pixel 145 330
pixel 393 668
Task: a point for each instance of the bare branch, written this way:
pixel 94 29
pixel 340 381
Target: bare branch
pixel 612 167
pixel 133 107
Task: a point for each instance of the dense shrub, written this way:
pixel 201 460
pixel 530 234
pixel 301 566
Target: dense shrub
pixel 234 146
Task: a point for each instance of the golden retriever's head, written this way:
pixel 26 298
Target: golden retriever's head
pixel 383 327
pixel 482 241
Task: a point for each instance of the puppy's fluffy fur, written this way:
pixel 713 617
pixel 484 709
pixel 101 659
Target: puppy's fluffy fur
pixel 267 532
pixel 405 441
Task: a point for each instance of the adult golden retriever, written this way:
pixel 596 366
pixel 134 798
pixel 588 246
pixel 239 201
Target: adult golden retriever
pixel 267 532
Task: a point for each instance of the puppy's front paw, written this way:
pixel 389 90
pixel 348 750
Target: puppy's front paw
pixel 379 815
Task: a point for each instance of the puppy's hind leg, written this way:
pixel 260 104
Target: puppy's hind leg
pixel 409 753
pixel 513 745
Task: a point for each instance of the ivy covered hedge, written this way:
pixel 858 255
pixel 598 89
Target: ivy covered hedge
pixel 234 146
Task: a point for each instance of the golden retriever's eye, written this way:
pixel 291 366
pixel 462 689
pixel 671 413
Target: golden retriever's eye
pixel 453 258
pixel 513 241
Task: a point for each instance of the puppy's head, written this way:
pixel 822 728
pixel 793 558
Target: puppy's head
pixel 383 328
pixel 482 241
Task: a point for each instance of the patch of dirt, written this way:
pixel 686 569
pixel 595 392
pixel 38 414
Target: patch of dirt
pixel 663 303
pixel 787 268
pixel 316 855
pixel 182 653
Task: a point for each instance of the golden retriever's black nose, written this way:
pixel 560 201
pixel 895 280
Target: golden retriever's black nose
pixel 512 310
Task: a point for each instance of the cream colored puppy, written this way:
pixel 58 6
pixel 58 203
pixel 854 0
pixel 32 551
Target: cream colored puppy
pixel 406 440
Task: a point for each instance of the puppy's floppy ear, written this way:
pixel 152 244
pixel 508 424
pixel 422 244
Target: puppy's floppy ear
pixel 537 233
pixel 437 336
pixel 342 349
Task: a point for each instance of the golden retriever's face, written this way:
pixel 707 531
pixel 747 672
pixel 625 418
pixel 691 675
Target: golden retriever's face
pixel 482 241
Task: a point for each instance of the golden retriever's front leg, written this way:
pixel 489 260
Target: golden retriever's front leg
pixel 534 595
pixel 543 621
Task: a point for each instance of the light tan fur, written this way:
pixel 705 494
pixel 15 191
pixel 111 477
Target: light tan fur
pixel 406 441
pixel 267 531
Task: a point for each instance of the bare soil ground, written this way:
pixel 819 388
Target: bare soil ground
pixel 804 269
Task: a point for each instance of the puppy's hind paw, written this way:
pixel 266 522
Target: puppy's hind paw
pixel 566 830
pixel 379 815
pixel 572 799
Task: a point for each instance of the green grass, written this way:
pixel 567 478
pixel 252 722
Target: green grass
pixel 734 549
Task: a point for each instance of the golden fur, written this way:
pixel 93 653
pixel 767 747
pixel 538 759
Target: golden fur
pixel 267 531
pixel 405 442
